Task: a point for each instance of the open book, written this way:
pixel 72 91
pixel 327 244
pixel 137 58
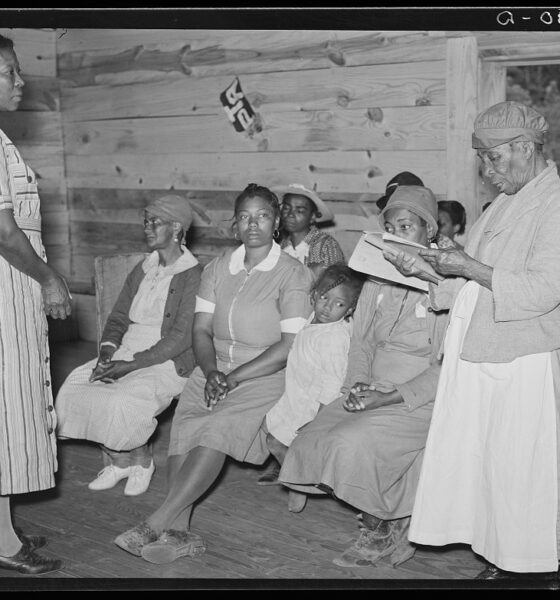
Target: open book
pixel 368 258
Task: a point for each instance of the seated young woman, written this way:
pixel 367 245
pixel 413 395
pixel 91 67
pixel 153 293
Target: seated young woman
pixel 366 447
pixel 251 303
pixel 301 210
pixel 145 354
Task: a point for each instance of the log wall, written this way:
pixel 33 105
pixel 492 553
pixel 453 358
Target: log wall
pixel 112 117
pixel 339 111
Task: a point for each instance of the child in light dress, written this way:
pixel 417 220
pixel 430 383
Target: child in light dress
pixel 317 361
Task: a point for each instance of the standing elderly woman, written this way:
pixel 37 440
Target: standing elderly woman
pixel 251 303
pixel 490 471
pixel 366 447
pixel 145 354
pixel 28 288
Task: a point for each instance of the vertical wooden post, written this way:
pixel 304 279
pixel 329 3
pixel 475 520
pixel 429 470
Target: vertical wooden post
pixel 462 106
pixel 491 89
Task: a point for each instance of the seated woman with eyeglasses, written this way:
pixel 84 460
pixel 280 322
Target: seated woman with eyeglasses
pixel 145 354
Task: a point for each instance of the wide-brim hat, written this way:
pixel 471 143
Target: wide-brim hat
pixel 300 190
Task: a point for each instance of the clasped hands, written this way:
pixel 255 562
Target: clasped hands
pixel 217 386
pixel 365 396
pixel 108 370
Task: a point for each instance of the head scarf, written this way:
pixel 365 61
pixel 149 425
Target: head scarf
pixel 508 122
pixel 172 208
pixel 418 200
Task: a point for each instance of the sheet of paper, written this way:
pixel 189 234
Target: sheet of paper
pixel 368 258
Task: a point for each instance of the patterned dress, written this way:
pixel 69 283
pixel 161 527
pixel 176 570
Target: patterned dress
pixel 317 247
pixel 27 417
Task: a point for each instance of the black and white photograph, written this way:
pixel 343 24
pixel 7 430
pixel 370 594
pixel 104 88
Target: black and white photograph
pixel 279 298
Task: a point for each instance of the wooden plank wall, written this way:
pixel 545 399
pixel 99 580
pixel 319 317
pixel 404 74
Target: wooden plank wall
pixel 36 129
pixel 339 111
pixel 112 117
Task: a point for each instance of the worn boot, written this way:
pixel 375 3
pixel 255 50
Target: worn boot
pixel 404 550
pixel 377 539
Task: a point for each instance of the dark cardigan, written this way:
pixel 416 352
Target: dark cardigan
pixel 176 329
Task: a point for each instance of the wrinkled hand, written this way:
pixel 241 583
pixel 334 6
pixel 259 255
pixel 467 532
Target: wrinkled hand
pixel 56 297
pixel 108 372
pixel 443 242
pixel 404 263
pixel 216 388
pixel 105 356
pixel 449 261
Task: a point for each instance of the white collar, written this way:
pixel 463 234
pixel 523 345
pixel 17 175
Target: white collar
pixel 332 323
pixel 184 262
pixel 237 260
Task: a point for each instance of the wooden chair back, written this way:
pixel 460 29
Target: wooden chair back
pixel 110 274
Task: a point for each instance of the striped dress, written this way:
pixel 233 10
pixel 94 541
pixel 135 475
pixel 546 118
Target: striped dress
pixel 27 417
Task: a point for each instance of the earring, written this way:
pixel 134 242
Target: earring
pixel 235 235
pixel 276 234
pixel 176 238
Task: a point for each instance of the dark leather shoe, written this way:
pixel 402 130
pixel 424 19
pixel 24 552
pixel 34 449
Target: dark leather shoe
pixel 28 562
pixel 270 477
pixel 492 572
pixel 33 542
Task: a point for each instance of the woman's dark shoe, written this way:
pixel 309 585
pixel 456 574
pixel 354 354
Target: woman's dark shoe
pixel 33 542
pixel 493 572
pixel 271 476
pixel 28 562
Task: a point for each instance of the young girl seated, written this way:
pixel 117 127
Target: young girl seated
pixel 317 361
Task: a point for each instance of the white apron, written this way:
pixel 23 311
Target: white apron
pixel 489 476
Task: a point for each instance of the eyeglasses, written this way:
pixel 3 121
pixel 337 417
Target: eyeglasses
pixel 152 222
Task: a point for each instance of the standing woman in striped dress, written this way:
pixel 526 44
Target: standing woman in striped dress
pixel 28 288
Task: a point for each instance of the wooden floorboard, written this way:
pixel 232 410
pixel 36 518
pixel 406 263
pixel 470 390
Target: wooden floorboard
pixel 252 538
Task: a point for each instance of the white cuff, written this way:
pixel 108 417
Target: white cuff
pixel 204 306
pixel 292 325
pixel 108 344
